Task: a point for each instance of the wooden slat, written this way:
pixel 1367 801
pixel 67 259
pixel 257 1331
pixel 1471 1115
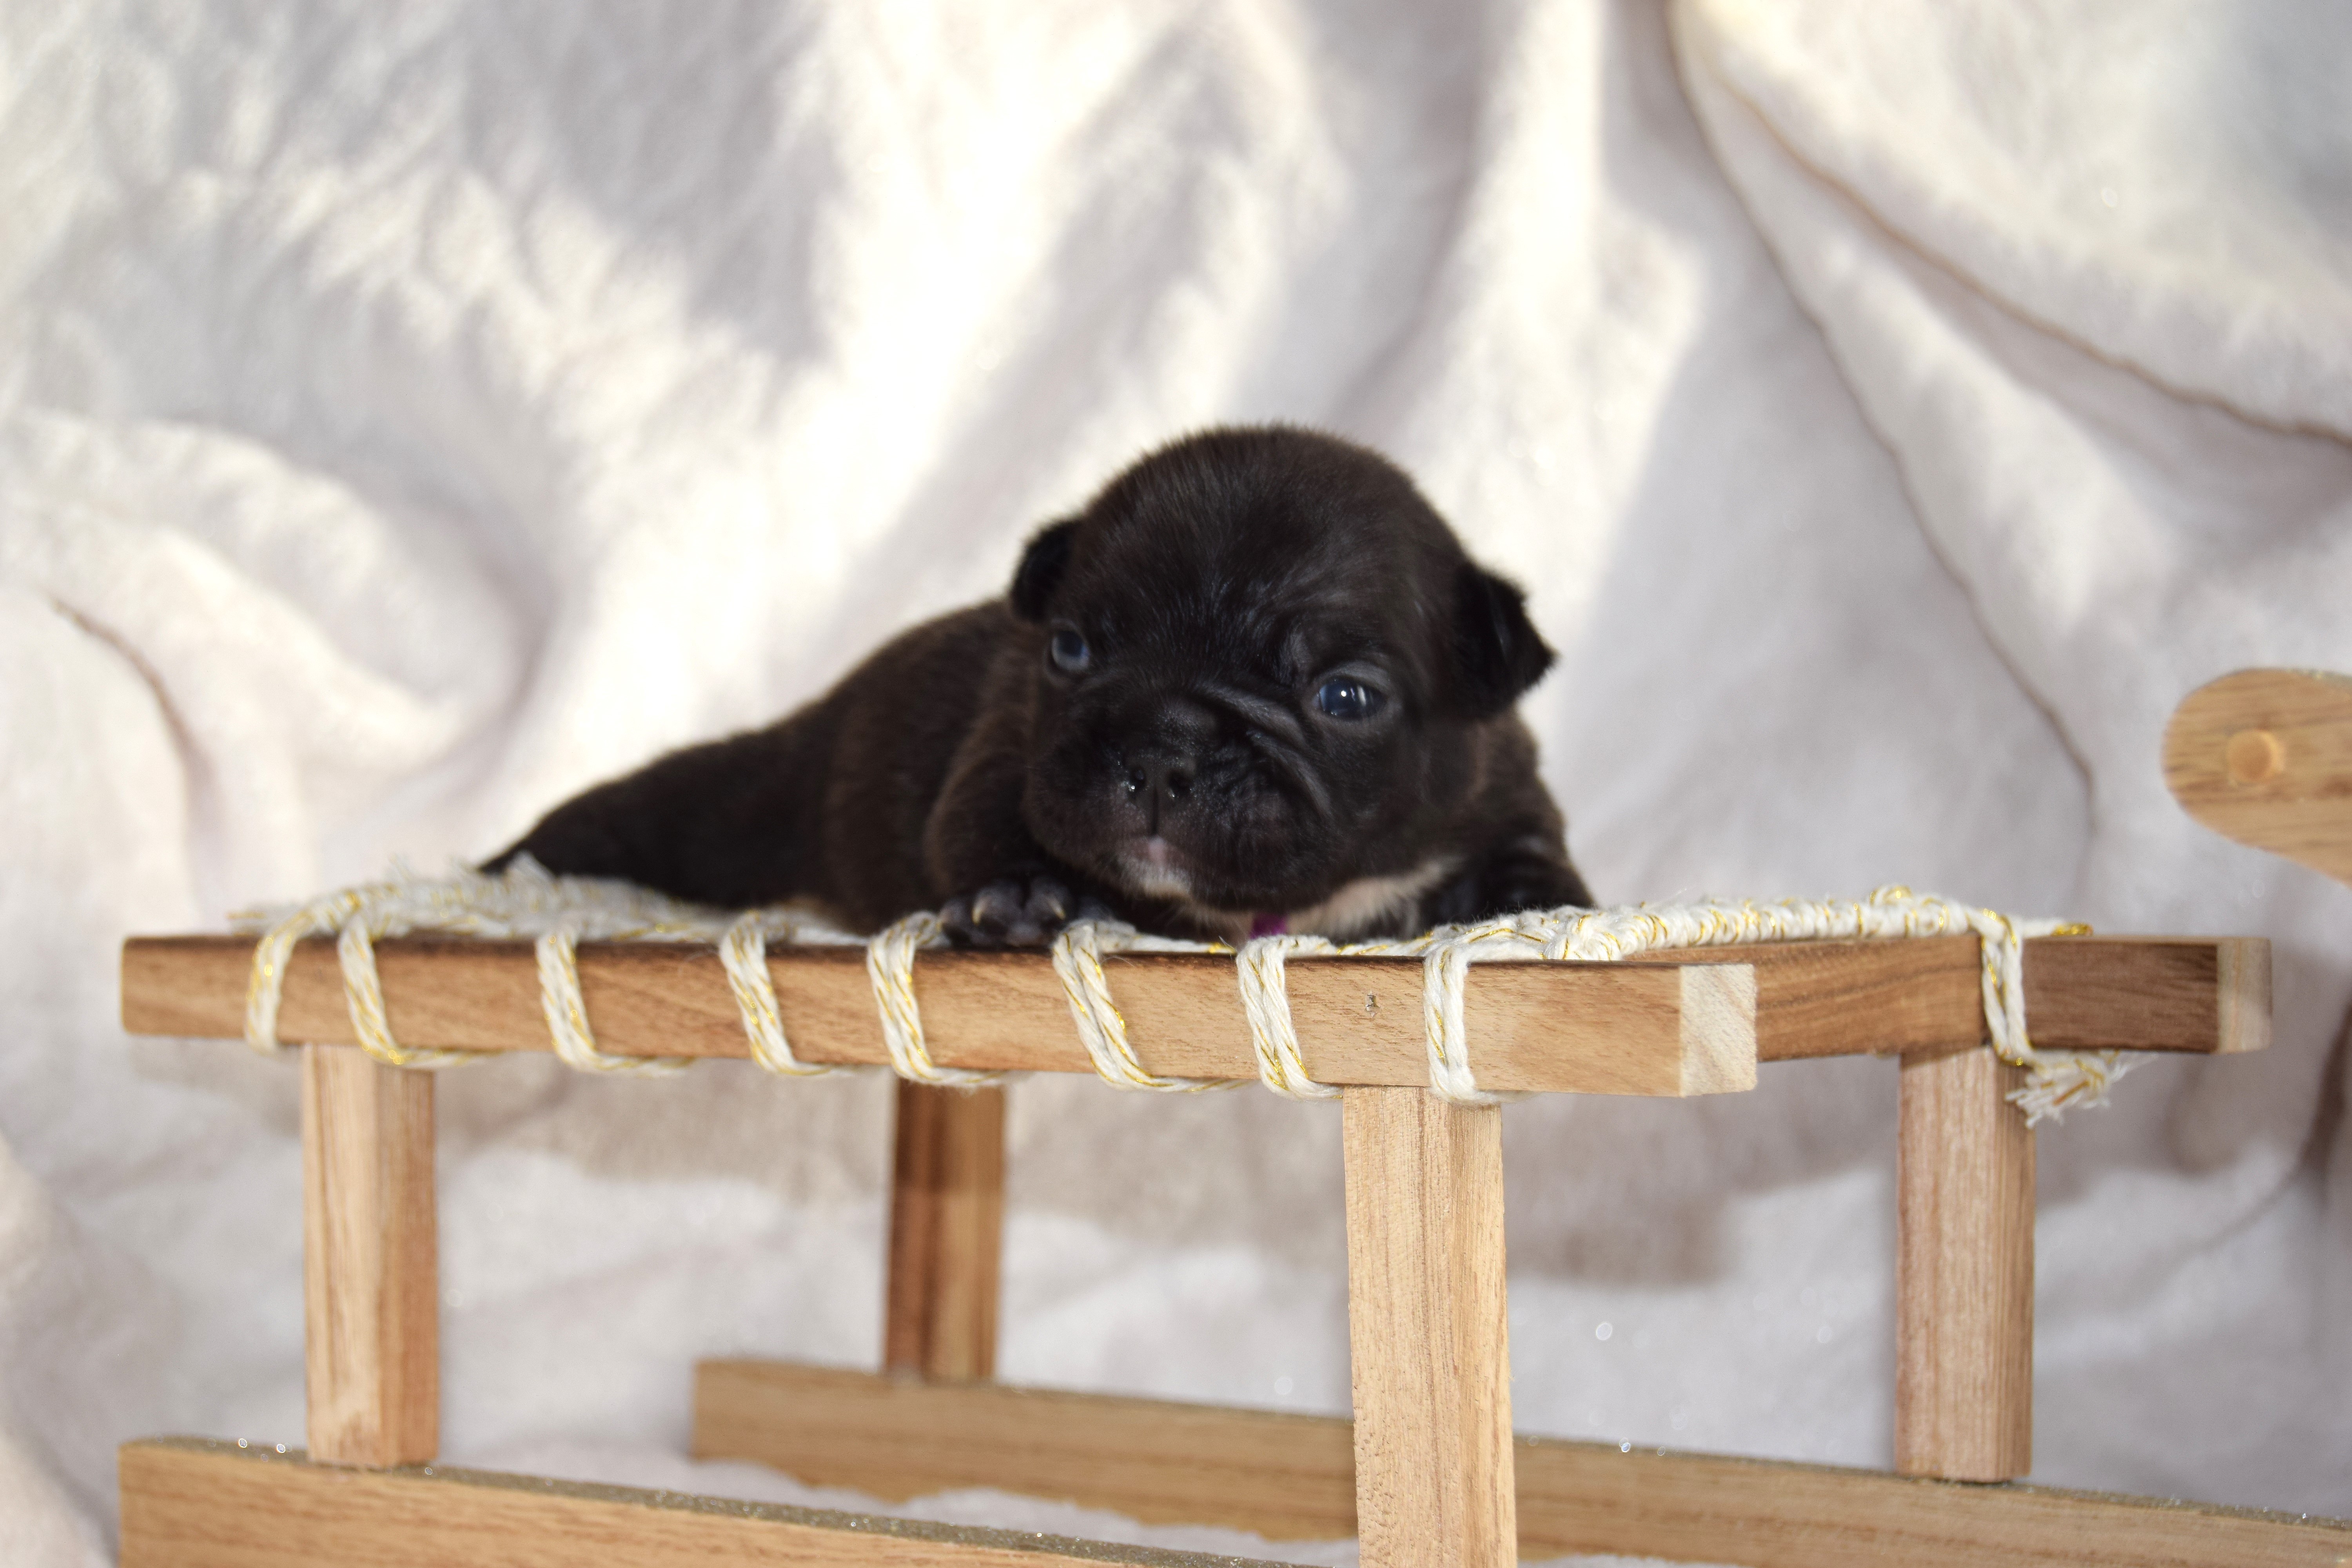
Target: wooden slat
pixel 2206 994
pixel 370 1261
pixel 946 1227
pixel 192 1503
pixel 1292 1477
pixel 2264 756
pixel 1663 1024
pixel 1700 1508
pixel 1428 1332
pixel 1587 1029
pixel 2203 995
pixel 1963 1271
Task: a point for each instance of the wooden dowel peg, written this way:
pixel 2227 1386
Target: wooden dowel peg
pixel 371 1265
pixel 1963 1271
pixel 947 1231
pixel 1428 1332
pixel 2264 756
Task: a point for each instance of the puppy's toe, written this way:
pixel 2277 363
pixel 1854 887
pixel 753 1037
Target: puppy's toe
pixel 1009 912
pixel 955 919
pixel 998 905
pixel 1048 905
pixel 996 916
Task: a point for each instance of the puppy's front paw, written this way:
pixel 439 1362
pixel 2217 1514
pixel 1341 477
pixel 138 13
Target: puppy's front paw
pixel 1016 911
pixel 1528 875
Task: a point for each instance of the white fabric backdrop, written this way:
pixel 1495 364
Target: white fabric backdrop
pixel 409 414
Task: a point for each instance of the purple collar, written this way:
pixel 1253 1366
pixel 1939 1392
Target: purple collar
pixel 1269 925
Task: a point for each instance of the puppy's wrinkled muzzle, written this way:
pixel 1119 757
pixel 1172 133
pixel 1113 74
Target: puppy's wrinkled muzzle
pixel 1179 791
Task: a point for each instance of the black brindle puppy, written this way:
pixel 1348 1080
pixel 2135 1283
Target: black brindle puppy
pixel 1254 686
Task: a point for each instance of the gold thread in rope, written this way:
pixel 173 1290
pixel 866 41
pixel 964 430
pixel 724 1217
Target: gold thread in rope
pixel 1102 1027
pixel 890 967
pixel 743 953
pixel 566 1011
pixel 1266 998
pixel 363 998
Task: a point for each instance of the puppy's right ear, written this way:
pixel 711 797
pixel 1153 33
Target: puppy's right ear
pixel 1041 569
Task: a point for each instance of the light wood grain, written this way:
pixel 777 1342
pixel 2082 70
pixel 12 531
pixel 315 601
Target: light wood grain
pixel 189 1503
pixel 1963 1271
pixel 370 1261
pixel 1428 1332
pixel 1588 1028
pixel 1644 1028
pixel 2200 994
pixel 947 1226
pixel 2204 995
pixel 2264 756
pixel 1291 1477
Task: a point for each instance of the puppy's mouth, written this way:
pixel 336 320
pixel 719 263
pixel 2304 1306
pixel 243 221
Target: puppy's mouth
pixel 1154 867
pixel 1149 865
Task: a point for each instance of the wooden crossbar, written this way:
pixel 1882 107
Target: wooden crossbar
pixel 190 1502
pixel 1670 1023
pixel 1291 1477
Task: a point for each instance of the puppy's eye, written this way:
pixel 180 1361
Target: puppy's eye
pixel 1342 696
pixel 1069 652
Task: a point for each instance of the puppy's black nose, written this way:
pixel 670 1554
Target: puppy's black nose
pixel 1167 736
pixel 1174 779
pixel 1156 782
pixel 1161 777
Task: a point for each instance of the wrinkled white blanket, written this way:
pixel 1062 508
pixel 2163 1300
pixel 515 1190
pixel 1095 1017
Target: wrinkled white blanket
pixel 409 414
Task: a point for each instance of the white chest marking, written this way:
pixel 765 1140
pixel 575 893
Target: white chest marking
pixel 1365 904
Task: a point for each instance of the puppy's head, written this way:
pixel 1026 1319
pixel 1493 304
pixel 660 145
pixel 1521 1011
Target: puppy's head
pixel 1261 660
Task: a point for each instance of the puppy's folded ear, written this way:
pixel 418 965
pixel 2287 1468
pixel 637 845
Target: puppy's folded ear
pixel 1496 645
pixel 1041 569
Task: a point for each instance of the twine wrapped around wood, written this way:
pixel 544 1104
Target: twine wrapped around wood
pixel 559 913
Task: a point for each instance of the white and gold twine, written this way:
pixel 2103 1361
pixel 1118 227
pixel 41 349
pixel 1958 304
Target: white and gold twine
pixel 561 912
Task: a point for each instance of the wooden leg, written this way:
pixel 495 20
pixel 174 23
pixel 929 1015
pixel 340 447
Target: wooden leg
pixel 947 1228
pixel 370 1261
pixel 1963 1272
pixel 1428 1332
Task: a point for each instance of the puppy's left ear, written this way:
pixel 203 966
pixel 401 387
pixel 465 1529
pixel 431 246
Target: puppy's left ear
pixel 1496 645
pixel 1041 569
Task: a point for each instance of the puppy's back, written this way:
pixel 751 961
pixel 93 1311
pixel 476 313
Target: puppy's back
pixel 826 805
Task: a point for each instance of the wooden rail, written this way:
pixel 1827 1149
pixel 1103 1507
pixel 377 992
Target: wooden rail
pixel 1672 1023
pixel 1291 1477
pixel 191 1503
